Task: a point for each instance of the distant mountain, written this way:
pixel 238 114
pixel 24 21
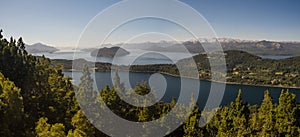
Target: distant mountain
pixel 264 47
pixel 195 46
pixel 255 47
pixel 40 48
pixel 109 52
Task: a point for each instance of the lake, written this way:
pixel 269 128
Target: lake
pixel 250 94
pixel 136 56
pixel 143 57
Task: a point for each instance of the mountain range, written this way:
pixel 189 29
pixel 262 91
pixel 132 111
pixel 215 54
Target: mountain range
pixel 256 47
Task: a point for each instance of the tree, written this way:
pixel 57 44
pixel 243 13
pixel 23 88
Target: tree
pixel 43 129
pixel 234 119
pixel 45 91
pixel 190 127
pixel 76 133
pixel 82 125
pixel 266 117
pixel 85 93
pixel 240 113
pixel 117 80
pixel 117 83
pixel 11 108
pixel 225 124
pixel 285 114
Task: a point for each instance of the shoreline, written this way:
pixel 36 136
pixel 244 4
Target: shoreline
pixel 173 75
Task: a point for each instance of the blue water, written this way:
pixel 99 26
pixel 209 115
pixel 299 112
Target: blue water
pixel 250 94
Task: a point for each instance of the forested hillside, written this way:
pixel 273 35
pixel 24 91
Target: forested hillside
pixel 245 68
pixel 33 91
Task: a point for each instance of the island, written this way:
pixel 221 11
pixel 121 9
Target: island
pixel 109 52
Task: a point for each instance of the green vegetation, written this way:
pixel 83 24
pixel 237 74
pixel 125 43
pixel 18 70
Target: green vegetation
pixel 36 99
pixel 245 68
pixel 32 88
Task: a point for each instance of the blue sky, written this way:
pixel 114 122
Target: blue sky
pixel 60 23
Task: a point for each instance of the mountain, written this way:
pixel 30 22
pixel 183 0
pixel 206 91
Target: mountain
pixel 265 47
pixel 109 52
pixel 40 48
pixel 195 46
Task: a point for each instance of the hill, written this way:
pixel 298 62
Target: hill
pixel 246 68
pixel 40 48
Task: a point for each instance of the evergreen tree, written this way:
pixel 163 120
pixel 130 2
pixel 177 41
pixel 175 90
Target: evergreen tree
pixel 240 113
pixel 82 125
pixel 117 80
pixel 225 124
pixel 266 117
pixel 43 129
pixel 190 127
pixel 45 90
pixel 11 109
pixel 85 93
pixel 285 114
pixel 234 119
pixel 76 133
pixel 117 83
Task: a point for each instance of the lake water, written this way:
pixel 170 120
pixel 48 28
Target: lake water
pixel 250 94
pixel 136 56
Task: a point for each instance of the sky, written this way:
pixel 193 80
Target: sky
pixel 61 23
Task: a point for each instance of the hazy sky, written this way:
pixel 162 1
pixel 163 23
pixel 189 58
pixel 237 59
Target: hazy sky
pixel 60 22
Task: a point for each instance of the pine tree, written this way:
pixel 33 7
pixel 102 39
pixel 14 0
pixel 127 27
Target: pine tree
pixel 43 129
pixel 240 115
pixel 225 124
pixel 117 80
pixel 190 127
pixel 234 119
pixel 82 125
pixel 266 117
pixel 285 114
pixel 85 94
pixel 11 108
